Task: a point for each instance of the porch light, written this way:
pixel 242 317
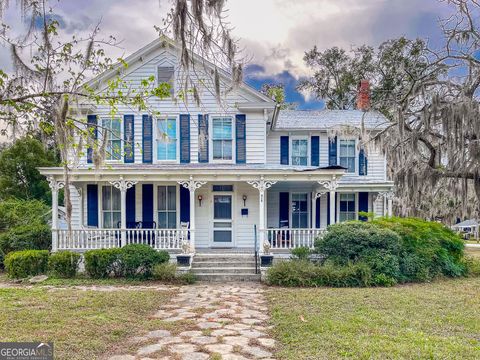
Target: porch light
pixel 244 197
pixel 200 198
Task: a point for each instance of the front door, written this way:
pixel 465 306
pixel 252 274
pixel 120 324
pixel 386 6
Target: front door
pixel 222 221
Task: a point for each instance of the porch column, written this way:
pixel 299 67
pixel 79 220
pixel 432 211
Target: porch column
pixel 261 185
pixel 331 186
pixel 123 185
pixel 387 202
pixel 80 199
pixel 55 186
pixel 192 185
pixel 317 194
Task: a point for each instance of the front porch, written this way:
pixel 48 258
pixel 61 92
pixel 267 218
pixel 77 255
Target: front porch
pixel 237 210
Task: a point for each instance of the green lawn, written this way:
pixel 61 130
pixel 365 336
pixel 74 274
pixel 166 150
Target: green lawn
pixel 82 324
pixel 440 320
pixel 474 252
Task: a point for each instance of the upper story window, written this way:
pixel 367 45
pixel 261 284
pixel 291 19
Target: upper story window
pixel 347 155
pixel 167 139
pixel 347 207
pixel 112 130
pixel 300 152
pixel 222 138
pixel 111 204
pixel 166 75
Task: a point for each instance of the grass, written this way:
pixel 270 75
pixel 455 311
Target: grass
pixel 473 252
pixel 82 324
pixel 438 320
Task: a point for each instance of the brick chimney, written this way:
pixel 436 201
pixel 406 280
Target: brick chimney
pixel 363 96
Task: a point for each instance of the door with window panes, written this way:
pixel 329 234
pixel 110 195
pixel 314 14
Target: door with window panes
pixel 222 216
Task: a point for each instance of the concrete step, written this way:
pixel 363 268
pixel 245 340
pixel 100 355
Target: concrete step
pixel 206 264
pixel 223 270
pixel 222 259
pixel 227 277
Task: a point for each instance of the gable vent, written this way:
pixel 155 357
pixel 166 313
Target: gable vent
pixel 165 74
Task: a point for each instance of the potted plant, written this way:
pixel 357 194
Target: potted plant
pixel 266 259
pixel 184 259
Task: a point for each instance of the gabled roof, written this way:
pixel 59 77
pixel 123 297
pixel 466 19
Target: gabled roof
pixel 466 223
pixel 159 43
pixel 328 119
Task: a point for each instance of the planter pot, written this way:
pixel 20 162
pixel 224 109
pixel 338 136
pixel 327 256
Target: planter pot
pixel 183 260
pixel 266 260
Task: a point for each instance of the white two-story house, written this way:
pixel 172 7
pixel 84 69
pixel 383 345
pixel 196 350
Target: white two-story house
pixel 230 175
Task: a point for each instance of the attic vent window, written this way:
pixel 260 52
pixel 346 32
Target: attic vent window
pixel 165 75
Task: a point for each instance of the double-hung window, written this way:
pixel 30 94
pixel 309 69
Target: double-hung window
pixel 300 210
pixel 167 139
pixel 347 207
pixel 347 155
pixel 167 207
pixel 111 207
pixel 222 138
pixel 112 133
pixel 300 152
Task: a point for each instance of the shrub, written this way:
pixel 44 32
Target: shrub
pixel 186 278
pixel 355 242
pixel 304 273
pixel 22 264
pixel 64 264
pixel 26 237
pixel 138 260
pixel 165 272
pixel 472 266
pixel 301 253
pixel 102 263
pixel 428 249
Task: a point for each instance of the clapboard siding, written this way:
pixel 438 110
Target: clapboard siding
pixel 376 160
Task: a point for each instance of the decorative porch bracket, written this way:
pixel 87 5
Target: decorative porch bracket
pixel 123 185
pixel 192 185
pixel 262 185
pixel 55 186
pixel 331 186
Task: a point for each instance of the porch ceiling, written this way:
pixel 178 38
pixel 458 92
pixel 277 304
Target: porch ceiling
pixel 201 172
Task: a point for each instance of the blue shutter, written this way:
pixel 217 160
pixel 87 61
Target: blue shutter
pixel 332 151
pixel 130 211
pixel 129 139
pixel 202 138
pixel 317 213
pixel 284 144
pixel 362 163
pixel 284 205
pixel 147 143
pixel 363 204
pixel 147 204
pixel 241 138
pixel 184 138
pixel 92 205
pixel 184 204
pixel 315 151
pixel 92 131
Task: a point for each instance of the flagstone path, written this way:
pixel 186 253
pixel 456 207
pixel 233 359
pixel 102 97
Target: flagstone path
pixel 209 321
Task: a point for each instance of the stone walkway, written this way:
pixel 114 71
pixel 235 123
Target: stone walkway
pixel 210 321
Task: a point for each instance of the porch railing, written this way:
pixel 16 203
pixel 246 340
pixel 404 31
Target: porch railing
pixel 86 239
pixel 286 238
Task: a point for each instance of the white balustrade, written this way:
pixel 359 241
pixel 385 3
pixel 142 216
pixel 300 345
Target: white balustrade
pixel 87 239
pixel 286 238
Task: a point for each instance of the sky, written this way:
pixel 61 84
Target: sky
pixel 274 34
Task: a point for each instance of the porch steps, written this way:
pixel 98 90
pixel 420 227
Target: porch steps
pixel 224 267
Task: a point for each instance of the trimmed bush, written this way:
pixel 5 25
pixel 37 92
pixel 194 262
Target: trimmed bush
pixel 165 272
pixel 304 273
pixel 301 253
pixel 64 264
pixel 102 263
pixel 428 249
pixel 138 260
pixel 22 264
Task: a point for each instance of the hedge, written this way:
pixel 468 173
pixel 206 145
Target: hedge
pixel 22 264
pixel 102 263
pixel 64 264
